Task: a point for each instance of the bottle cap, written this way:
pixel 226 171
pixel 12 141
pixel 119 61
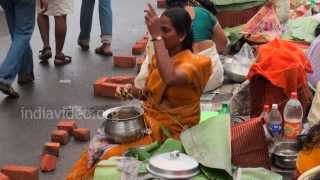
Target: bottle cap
pixel 266 108
pixel 294 95
pixel 274 106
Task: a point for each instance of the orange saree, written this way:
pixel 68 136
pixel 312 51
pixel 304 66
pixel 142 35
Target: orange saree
pixel 308 159
pixel 174 107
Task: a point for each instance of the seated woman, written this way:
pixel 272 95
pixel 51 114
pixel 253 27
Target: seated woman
pixel 176 81
pixel 209 38
pixel 309 147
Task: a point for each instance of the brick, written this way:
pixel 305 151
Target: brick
pixel 138 48
pixel 124 61
pixel 146 36
pixel 161 4
pixel 48 163
pixel 60 136
pixel 3 177
pixel 81 134
pixel 143 41
pixel 17 172
pixel 106 89
pixel 121 79
pixel 106 86
pixel 52 148
pixel 67 125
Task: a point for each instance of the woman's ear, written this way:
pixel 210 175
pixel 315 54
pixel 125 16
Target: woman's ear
pixel 182 37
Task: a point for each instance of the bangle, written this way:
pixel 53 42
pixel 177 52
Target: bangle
pixel 158 38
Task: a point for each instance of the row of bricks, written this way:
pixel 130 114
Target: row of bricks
pixel 50 154
pixel 131 61
pixel 61 136
pixel 137 49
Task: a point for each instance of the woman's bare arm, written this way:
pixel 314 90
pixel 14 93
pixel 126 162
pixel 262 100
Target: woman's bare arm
pixel 219 38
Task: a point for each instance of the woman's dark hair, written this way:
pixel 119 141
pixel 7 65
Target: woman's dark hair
pixel 317 31
pixel 310 140
pixel 181 22
pixel 207 4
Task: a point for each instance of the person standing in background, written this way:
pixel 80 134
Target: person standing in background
pixel 59 9
pixel 105 16
pixel 20 16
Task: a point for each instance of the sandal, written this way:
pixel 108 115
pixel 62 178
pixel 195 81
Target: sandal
pixel 100 51
pixel 8 90
pixel 45 54
pixel 62 60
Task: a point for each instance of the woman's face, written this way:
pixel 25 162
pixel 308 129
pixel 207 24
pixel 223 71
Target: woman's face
pixel 171 39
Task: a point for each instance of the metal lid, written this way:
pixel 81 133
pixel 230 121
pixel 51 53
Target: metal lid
pixel 173 165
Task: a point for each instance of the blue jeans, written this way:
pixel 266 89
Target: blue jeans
pixel 20 15
pixel 105 16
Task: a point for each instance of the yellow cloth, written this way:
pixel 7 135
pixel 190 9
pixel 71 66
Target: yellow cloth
pixel 308 159
pixel 175 107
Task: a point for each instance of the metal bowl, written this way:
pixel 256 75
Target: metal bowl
pixel 284 154
pixel 124 124
pixel 236 72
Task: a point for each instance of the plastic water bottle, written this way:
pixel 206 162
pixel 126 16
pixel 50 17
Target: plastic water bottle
pixel 275 122
pixel 264 116
pixel 293 114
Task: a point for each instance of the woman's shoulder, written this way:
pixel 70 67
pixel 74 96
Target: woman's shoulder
pixel 198 60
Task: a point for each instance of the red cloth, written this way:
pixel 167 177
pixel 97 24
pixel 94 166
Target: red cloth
pixel 263 92
pixel 283 64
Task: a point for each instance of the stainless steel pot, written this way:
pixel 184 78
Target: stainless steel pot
pixel 284 154
pixel 124 124
pixel 173 165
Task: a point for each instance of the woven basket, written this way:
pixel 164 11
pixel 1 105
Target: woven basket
pixel 236 18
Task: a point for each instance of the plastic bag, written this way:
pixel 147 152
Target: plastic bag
pixel 237 67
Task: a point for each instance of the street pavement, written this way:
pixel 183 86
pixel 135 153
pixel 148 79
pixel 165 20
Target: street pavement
pixel 26 123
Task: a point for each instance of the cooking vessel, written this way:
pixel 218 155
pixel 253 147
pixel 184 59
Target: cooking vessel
pixel 173 165
pixel 284 154
pixel 124 124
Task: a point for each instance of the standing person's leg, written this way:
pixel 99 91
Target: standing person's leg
pixel 26 74
pixel 43 24
pixel 21 20
pixel 105 14
pixel 87 8
pixel 60 33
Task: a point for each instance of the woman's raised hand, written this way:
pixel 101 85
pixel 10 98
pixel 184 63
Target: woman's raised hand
pixel 152 21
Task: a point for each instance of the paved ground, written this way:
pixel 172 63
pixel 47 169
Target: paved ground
pixel 67 89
